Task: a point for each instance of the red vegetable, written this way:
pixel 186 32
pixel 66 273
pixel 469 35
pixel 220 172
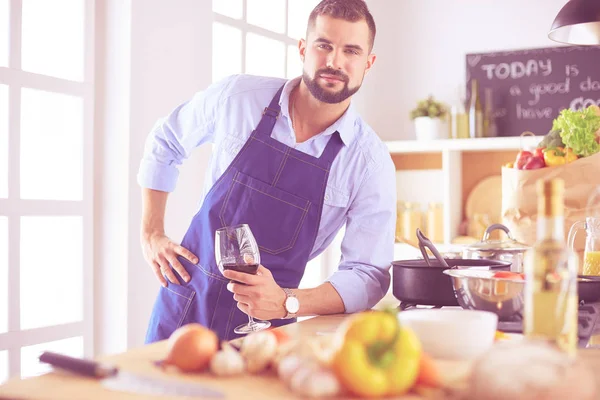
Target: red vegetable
pixel 535 162
pixel 522 159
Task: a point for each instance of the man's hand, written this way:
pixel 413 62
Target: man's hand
pixel 260 297
pixel 161 253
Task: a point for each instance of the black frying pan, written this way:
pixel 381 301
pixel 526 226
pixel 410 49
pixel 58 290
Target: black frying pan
pixel 588 287
pixel 415 282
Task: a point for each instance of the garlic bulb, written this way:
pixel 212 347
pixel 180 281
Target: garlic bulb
pixel 259 349
pixel 227 361
pixel 307 378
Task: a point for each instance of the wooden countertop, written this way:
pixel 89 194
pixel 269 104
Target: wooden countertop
pixel 65 386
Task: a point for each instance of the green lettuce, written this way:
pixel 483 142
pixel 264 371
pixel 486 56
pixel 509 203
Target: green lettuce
pixel 577 130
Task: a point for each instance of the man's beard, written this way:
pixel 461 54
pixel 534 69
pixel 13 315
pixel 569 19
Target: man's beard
pixel 326 96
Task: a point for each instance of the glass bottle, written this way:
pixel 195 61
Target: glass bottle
pixel 551 301
pixel 489 121
pixel 412 218
pixel 435 222
pixel 459 119
pixel 475 112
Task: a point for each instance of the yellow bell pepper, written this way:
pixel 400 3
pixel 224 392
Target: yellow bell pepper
pixel 378 357
pixel 559 156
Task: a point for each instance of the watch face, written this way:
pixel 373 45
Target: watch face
pixel 292 305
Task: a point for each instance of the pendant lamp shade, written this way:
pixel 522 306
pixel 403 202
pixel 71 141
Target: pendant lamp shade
pixel 578 22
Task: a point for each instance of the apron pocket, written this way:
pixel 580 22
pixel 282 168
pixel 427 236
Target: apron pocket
pixel 274 216
pixel 175 301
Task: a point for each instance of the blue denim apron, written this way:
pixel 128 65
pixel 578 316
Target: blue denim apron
pixel 278 191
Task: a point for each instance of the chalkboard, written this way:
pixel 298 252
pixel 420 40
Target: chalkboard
pixel 530 87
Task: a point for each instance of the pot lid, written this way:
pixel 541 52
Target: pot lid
pixel 509 245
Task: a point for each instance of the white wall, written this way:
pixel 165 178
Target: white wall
pixel 154 54
pixel 421 47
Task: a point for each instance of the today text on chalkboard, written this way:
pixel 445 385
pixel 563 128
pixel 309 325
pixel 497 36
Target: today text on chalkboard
pixel 531 87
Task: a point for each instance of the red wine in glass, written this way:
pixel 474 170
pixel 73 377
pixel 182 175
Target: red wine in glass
pixel 237 250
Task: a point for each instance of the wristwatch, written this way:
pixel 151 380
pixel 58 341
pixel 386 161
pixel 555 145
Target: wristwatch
pixel 291 304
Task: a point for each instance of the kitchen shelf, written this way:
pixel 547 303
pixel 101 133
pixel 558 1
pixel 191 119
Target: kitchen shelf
pixel 481 144
pixel 462 163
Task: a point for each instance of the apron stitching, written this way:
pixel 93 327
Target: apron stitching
pixel 227 200
pixel 293 242
pixel 178 294
pixel 273 197
pixel 208 273
pixel 185 310
pixel 231 313
pixel 283 162
pixel 212 320
pixel 320 211
pixel 292 156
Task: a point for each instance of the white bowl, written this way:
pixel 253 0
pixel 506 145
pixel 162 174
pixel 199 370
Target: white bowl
pixel 452 333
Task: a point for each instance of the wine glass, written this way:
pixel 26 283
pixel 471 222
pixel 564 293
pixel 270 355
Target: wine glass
pixel 236 249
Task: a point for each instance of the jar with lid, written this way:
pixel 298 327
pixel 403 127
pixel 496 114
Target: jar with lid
pixel 412 218
pixel 435 222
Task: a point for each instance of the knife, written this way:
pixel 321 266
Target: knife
pixel 114 379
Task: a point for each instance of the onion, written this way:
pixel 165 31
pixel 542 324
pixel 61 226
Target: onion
pixel 191 347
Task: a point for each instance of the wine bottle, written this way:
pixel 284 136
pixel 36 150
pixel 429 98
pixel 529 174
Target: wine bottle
pixel 551 301
pixel 475 112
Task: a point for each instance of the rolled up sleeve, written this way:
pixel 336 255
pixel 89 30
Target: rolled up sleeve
pixel 173 138
pixel 363 276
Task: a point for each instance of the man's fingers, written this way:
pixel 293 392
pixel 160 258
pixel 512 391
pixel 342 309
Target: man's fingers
pixel 263 271
pixel 159 275
pixel 237 288
pixel 240 298
pixel 179 268
pixel 241 277
pixel 182 251
pixel 167 271
pixel 244 307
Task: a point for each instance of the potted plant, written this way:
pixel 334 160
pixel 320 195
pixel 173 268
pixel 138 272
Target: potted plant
pixel 430 119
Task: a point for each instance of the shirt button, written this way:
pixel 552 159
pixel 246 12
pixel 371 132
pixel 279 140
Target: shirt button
pixel 326 197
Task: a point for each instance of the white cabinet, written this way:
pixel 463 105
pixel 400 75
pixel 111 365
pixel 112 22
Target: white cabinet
pixel 460 164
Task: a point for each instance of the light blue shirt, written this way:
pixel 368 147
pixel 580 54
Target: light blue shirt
pixel 360 193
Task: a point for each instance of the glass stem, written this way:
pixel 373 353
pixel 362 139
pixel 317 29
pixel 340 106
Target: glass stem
pixel 250 320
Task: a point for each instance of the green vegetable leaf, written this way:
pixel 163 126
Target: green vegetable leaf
pixel 577 130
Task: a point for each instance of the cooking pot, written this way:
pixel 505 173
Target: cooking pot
pixel 502 250
pixel 415 282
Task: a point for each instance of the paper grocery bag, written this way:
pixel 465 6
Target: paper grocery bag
pixel 519 197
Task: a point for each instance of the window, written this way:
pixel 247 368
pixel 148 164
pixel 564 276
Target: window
pixel 46 100
pixel 258 37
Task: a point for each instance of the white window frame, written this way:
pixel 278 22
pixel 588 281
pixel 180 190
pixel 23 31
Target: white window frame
pixel 246 28
pixel 14 207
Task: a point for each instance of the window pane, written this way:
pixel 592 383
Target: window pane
pixel 3 366
pixel 298 13
pixel 264 56
pixel 51 146
pixel 3 274
pixel 268 14
pixel 294 63
pixel 52 35
pixel 227 51
pixel 4 27
pixel 3 141
pixel 230 8
pixel 51 271
pixel 30 365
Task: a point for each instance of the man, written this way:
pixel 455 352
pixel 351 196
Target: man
pixel 294 161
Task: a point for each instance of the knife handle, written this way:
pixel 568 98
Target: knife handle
pixel 78 365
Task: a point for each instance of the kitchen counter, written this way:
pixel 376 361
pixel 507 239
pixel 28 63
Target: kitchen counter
pixel 65 386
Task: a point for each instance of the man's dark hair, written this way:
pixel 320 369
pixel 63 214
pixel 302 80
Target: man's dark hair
pixel 348 10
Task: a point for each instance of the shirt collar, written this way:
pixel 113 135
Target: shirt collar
pixel 344 125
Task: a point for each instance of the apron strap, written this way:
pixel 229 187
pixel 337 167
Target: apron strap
pixel 333 147
pixel 270 115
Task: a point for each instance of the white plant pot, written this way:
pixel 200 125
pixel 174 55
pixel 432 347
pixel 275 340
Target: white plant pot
pixel 427 128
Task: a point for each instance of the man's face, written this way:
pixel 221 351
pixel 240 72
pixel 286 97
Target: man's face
pixel 336 58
